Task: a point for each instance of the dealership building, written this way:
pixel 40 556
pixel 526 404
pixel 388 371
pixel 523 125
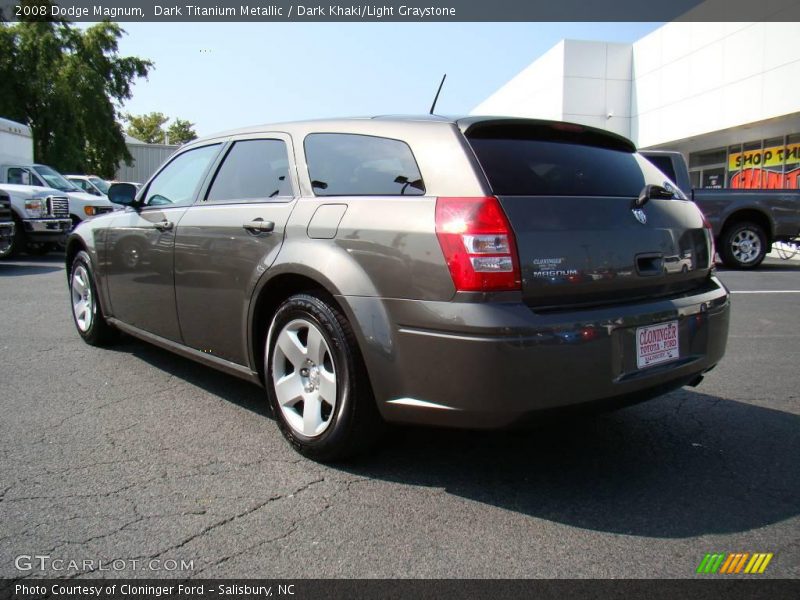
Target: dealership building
pixel 726 95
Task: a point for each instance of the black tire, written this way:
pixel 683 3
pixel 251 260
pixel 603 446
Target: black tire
pixel 730 251
pixel 99 332
pixel 354 422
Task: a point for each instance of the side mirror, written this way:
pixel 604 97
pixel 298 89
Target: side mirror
pixel 122 193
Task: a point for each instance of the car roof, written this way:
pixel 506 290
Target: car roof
pixel 463 122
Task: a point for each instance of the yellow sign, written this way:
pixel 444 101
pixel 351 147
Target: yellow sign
pixel 768 157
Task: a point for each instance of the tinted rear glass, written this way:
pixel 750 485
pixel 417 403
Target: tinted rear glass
pixel 522 167
pixel 361 165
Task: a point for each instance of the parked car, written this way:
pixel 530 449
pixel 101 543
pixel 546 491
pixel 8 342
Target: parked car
pixel 91 184
pixel 468 273
pixel 745 222
pixel 82 205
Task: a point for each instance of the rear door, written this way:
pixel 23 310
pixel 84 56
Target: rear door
pixel 570 195
pixel 229 238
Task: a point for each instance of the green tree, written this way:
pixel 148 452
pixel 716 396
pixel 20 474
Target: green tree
pixel 67 84
pixel 147 128
pixel 181 132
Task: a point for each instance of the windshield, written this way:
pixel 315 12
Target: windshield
pixel 54 179
pixel 100 184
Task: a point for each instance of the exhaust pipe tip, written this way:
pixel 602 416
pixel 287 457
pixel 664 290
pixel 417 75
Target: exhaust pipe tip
pixel 696 381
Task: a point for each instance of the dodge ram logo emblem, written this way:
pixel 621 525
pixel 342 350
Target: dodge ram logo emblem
pixel 640 216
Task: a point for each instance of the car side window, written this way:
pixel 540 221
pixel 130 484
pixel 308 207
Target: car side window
pixel 176 184
pixel 253 170
pixel 361 165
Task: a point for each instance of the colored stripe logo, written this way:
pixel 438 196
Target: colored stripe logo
pixel 735 562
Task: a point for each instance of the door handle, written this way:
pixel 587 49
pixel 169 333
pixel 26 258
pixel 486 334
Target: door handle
pixel 164 225
pixel 259 225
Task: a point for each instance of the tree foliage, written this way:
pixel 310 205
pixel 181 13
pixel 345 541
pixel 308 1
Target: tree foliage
pixel 147 128
pixel 181 132
pixel 150 128
pixel 67 84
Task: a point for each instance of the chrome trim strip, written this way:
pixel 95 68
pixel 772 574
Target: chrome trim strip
pixel 419 403
pixel 458 336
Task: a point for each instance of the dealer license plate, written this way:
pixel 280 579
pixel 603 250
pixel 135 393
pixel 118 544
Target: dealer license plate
pixel 656 344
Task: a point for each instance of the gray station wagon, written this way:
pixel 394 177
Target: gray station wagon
pixel 458 272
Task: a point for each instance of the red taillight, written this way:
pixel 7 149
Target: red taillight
pixel 711 245
pixel 478 244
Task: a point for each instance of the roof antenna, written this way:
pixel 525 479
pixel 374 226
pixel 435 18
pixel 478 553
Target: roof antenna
pixel 437 93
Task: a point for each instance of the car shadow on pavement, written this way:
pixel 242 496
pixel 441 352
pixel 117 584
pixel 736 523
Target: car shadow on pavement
pixel 683 465
pixel 232 389
pixel 31 265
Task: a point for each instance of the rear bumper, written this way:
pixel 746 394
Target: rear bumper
pixel 486 365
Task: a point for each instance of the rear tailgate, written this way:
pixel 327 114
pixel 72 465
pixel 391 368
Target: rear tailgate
pixel 569 193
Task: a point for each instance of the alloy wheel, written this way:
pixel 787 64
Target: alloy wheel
pixel 82 298
pixel 304 377
pixel 746 246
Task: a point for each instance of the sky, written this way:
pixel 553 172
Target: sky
pixel 222 76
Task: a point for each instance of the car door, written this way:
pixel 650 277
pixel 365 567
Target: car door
pixel 140 242
pixel 228 238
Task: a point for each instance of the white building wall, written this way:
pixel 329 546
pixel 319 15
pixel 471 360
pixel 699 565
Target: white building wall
pixel 537 92
pixel 597 85
pixel 579 81
pixel 691 79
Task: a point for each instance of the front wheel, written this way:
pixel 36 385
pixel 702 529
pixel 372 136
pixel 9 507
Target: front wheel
pixel 744 245
pixel 316 381
pixel 87 313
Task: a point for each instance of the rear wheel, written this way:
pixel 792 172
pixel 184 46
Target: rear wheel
pixel 316 381
pixel 744 245
pixel 86 311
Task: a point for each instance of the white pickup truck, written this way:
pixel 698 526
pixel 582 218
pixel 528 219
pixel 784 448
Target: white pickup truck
pixel 37 177
pixel 40 217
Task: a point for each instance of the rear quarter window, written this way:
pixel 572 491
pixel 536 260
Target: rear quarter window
pixel 361 165
pixel 522 167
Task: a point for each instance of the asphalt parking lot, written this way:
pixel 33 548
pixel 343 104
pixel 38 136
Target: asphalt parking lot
pixel 133 453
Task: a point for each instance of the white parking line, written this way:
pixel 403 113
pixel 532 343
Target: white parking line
pixel 765 291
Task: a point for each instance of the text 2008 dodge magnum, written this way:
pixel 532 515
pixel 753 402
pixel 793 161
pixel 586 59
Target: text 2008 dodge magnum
pixel 460 272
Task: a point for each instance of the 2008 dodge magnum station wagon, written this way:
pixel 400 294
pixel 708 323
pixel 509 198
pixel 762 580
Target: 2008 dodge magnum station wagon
pixel 459 272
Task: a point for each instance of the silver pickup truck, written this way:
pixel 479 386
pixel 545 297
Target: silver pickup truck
pixel 745 222
pixel 40 218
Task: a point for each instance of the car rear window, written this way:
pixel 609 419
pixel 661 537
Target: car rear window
pixel 342 164
pixel 529 167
